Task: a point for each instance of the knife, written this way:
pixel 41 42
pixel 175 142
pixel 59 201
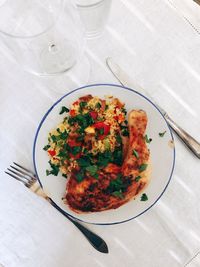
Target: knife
pixel 126 81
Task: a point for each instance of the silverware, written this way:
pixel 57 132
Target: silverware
pixel 29 179
pixel 125 80
pixel 197 1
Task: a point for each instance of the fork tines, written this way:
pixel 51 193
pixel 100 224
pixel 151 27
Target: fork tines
pixel 21 174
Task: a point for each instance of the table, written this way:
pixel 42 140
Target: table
pixel 157 46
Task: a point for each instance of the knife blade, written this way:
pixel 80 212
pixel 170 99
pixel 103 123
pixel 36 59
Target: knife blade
pixel 126 81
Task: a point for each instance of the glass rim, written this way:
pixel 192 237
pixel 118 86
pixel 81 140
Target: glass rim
pixel 61 8
pixel 89 5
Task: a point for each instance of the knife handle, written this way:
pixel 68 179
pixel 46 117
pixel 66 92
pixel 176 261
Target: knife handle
pixel 190 142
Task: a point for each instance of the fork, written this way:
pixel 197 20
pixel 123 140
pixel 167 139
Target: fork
pixel 29 179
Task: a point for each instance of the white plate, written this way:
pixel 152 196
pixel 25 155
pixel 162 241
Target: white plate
pixel 162 154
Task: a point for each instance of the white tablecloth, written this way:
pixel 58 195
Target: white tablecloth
pixel 161 51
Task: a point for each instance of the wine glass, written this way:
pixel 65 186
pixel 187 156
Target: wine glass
pixel 45 37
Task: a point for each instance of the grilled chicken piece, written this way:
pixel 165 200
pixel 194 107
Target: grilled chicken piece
pixel 92 194
pixel 137 161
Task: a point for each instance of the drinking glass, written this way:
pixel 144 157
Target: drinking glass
pixel 94 15
pixel 46 37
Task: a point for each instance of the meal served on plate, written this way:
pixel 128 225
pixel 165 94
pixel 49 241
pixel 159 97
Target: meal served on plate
pixel 104 156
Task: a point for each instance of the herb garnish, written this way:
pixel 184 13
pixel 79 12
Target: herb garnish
pixel 75 150
pixel 144 197
pixel 143 167
pixel 54 169
pixel 147 139
pixel 135 153
pixel 92 169
pixel 80 176
pixel 125 131
pixel 64 109
pixel 118 194
pixel 98 105
pixel 138 178
pixel 46 147
pixel 82 105
pixel 162 134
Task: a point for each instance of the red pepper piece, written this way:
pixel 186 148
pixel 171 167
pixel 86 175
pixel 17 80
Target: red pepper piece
pixel 104 126
pixel 76 103
pixel 99 125
pixel 52 152
pixel 94 114
pixel 72 143
pixel 106 129
pixel 72 112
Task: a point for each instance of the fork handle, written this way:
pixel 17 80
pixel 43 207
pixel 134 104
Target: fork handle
pixel 190 142
pixel 36 188
pixel 96 241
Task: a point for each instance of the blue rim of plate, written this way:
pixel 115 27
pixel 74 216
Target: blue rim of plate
pixel 94 85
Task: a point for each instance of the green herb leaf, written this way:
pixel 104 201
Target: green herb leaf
pixel 63 154
pixel 143 167
pixel 118 194
pixel 80 138
pixel 96 176
pixel 124 111
pixel 135 153
pixel 48 172
pixel 63 109
pixel 162 134
pixel 92 169
pixel 54 139
pixel 101 131
pixel 98 105
pixel 147 139
pixel 75 150
pixel 80 176
pixel 64 175
pixel 117 157
pixel 125 132
pixel 83 162
pixel 54 169
pixel 46 147
pixel 118 139
pixel 83 104
pixel 144 197
pixel 138 178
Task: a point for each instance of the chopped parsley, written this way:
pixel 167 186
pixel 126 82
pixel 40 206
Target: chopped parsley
pixel 162 134
pixel 124 111
pixel 101 131
pixel 98 105
pixel 138 178
pixel 46 147
pixel 80 176
pixel 64 109
pixel 54 169
pixel 82 105
pixel 147 139
pixel 84 161
pixel 144 197
pixel 120 184
pixel 143 167
pixel 125 132
pixel 75 150
pixel 118 194
pixel 92 169
pixel 135 153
